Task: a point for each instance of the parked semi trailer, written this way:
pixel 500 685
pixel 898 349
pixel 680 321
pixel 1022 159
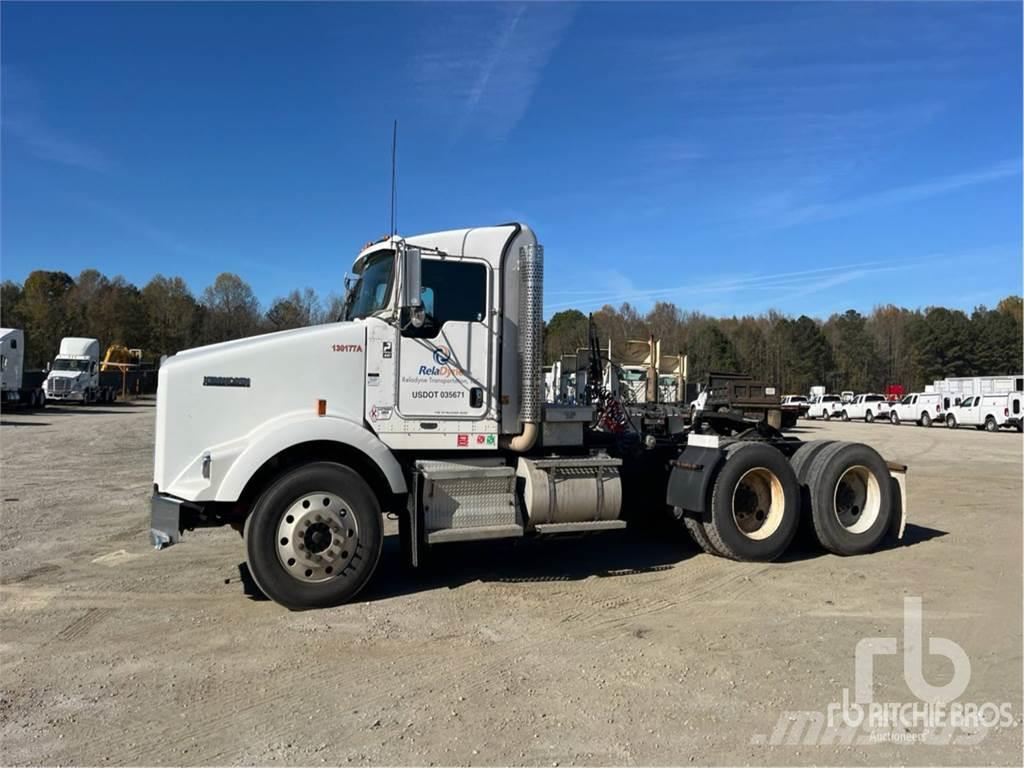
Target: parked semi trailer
pixel 16 389
pixel 425 401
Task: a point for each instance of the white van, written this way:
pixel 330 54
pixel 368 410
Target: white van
pixel 868 407
pixel 988 412
pixel 920 407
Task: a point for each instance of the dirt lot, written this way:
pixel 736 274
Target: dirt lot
pixel 621 648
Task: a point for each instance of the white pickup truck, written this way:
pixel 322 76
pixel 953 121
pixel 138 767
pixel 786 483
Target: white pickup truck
pixel 921 408
pixel 868 407
pixel 825 407
pixel 988 412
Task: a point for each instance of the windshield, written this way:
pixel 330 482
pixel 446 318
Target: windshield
pixel 373 288
pixel 63 364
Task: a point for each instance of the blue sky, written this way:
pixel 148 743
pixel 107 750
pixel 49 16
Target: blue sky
pixel 728 157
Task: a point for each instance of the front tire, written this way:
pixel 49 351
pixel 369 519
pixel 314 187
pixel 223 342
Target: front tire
pixel 755 504
pixel 314 536
pixel 826 415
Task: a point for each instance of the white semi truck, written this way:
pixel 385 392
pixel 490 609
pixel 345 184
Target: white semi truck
pixel 425 401
pixel 75 373
pixel 13 389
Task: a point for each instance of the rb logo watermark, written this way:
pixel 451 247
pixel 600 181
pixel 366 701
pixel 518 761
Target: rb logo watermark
pixel 937 717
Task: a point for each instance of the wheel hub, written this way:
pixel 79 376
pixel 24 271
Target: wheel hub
pixel 757 503
pixel 317 537
pixel 857 499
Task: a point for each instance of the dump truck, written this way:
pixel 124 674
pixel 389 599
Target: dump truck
pixel 425 401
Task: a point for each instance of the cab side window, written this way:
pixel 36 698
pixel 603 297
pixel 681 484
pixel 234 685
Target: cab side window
pixel 452 291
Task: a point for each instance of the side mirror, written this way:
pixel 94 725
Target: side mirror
pixel 411 279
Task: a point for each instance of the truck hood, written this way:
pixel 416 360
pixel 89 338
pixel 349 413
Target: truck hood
pixel 211 399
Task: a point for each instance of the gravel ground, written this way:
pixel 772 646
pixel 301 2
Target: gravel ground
pixel 619 648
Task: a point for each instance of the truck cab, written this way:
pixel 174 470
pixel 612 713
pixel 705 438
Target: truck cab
pixel 74 375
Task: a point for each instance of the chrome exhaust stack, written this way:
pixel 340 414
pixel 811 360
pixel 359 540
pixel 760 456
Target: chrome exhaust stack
pixel 531 346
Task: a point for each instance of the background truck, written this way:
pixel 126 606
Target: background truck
pixel 922 408
pixel 824 407
pixel 75 375
pixel 988 412
pixel 16 385
pixel 867 406
pixel 425 402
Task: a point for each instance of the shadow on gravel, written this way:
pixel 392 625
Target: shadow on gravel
pixel 106 408
pixel 642 549
pixel 806 547
pixel 647 548
pixel 24 423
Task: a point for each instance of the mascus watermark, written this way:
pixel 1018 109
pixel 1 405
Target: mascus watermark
pixel 938 716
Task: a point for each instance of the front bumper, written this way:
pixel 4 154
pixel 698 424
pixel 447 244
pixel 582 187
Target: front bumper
pixel 169 518
pixel 73 396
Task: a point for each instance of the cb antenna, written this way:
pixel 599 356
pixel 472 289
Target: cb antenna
pixel 394 198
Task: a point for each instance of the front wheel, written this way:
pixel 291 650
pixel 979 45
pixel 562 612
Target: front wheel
pixel 990 425
pixel 314 537
pixel 826 415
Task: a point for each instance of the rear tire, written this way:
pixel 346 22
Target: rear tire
pixel 869 417
pixel 894 418
pixel 696 530
pixel 845 416
pixel 826 415
pixel 926 420
pixel 851 498
pixel 990 425
pixel 755 504
pixel 951 421
pixel 314 536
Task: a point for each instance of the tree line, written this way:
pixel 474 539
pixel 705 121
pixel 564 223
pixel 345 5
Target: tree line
pixel 160 318
pixel 848 350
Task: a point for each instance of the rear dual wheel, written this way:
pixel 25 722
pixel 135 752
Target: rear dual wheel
pixel 755 505
pixel 850 496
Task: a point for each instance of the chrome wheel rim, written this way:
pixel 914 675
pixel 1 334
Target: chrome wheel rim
pixel 857 500
pixel 758 503
pixel 317 537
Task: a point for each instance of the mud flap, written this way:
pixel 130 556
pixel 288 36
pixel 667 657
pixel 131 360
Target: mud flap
pixel 898 478
pixel 691 478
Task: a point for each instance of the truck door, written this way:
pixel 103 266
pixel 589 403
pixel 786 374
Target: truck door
pixel 445 366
